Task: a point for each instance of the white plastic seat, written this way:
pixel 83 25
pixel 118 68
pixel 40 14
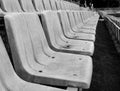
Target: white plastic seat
pixel 27 5
pixel 53 5
pixel 75 27
pixel 63 5
pixel 58 41
pixel 68 6
pixel 9 81
pixel 58 5
pixel 38 5
pixel 10 6
pixel 88 21
pixel 37 61
pixel 82 23
pixel 68 31
pixel 79 22
pixel 47 5
pixel 78 19
pixel 2 88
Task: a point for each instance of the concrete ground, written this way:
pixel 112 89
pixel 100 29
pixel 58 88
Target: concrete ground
pixel 106 62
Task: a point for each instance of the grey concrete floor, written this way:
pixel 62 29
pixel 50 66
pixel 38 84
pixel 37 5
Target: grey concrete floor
pixel 106 62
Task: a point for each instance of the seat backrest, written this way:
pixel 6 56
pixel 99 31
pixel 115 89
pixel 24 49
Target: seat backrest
pixel 10 6
pixel 80 17
pixel 29 40
pixel 7 73
pixel 51 26
pixel 83 15
pixel 9 81
pixel 38 5
pixel 62 5
pixel 76 17
pixel 58 5
pixel 53 5
pixel 66 5
pixel 71 19
pixel 70 6
pixel 27 5
pixel 63 17
pixel 2 88
pixel 22 34
pixel 46 4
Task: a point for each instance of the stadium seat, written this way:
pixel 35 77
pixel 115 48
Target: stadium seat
pixel 27 5
pixel 62 5
pixel 58 41
pixel 37 62
pixel 9 81
pixel 47 5
pixel 87 21
pixel 77 18
pixel 2 87
pixel 10 6
pixel 68 31
pixel 53 5
pixel 38 5
pixel 58 5
pixel 75 27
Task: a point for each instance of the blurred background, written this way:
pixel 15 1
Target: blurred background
pixel 98 3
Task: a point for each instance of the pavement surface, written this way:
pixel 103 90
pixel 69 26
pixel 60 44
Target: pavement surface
pixel 106 62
